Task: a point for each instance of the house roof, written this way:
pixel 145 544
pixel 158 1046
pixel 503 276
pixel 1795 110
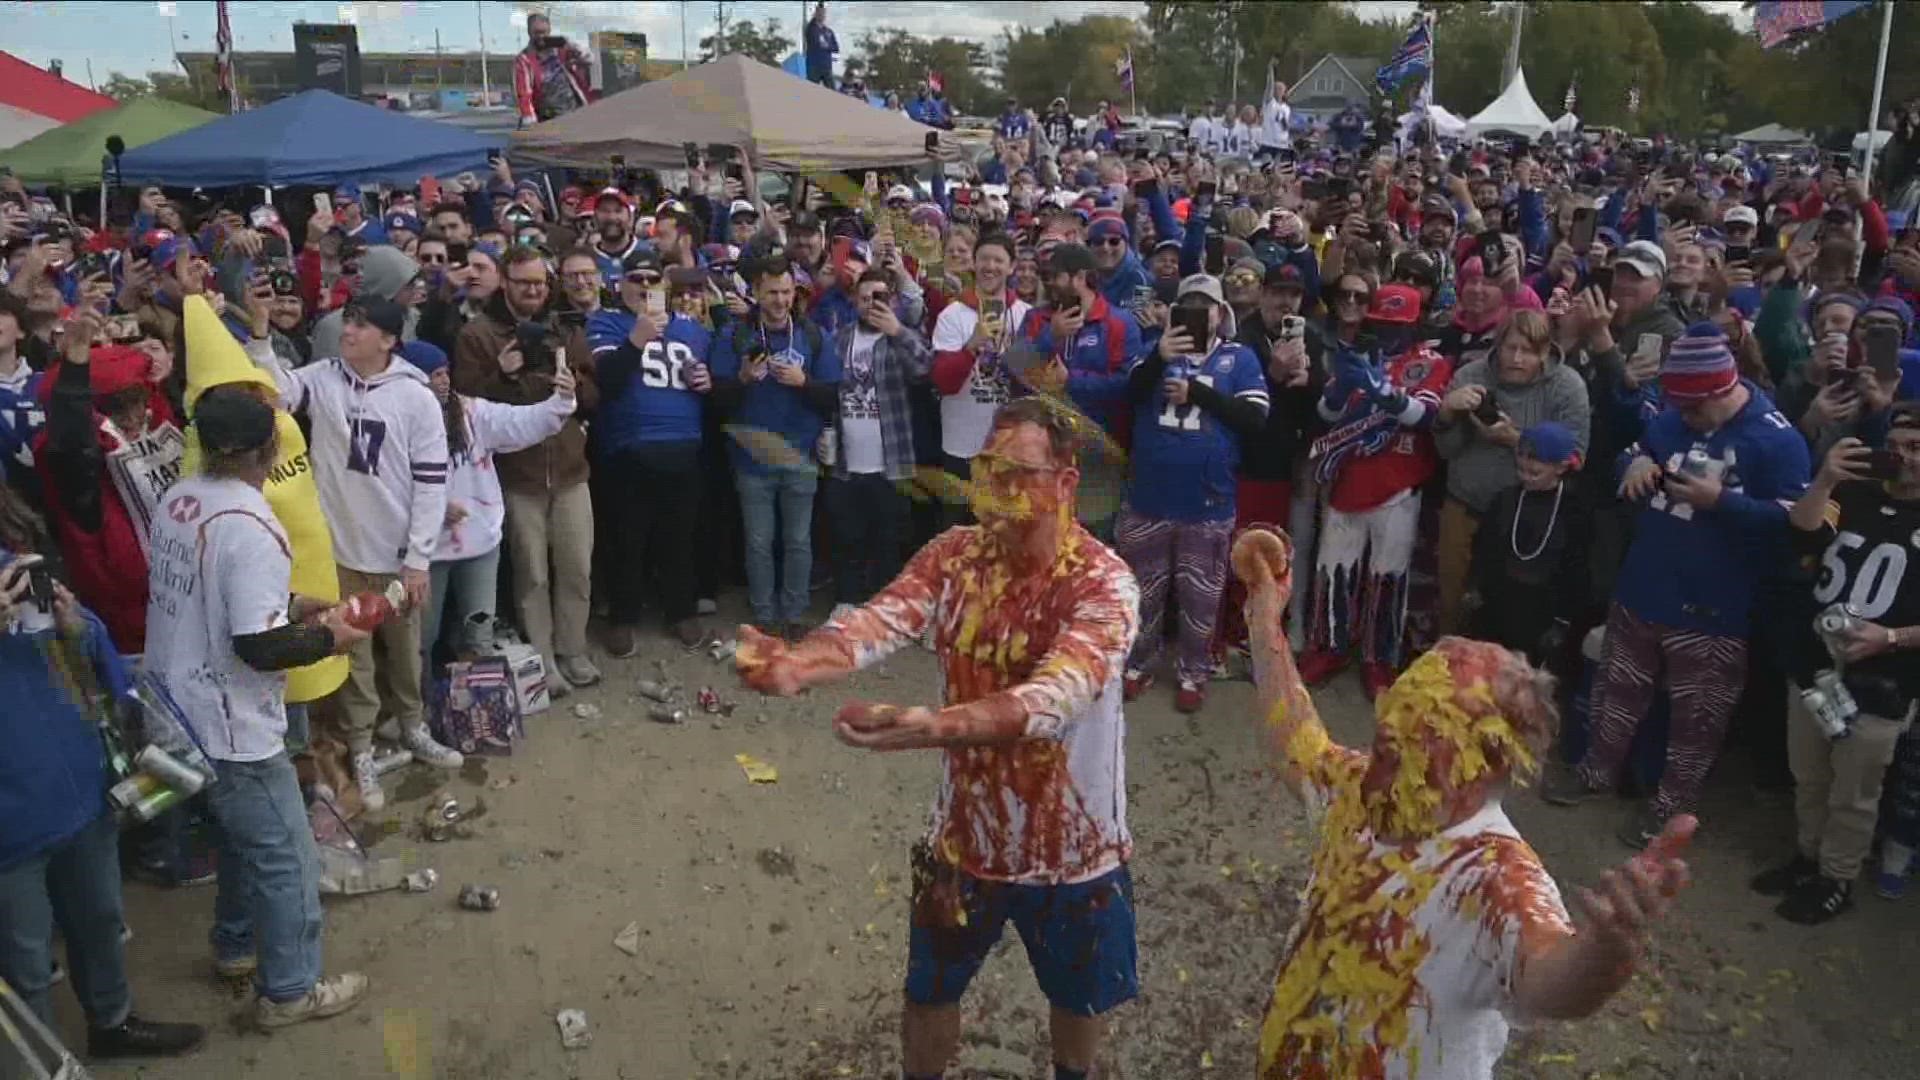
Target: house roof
pixel 1356 68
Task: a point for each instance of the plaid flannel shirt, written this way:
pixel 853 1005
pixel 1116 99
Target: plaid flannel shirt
pixel 898 361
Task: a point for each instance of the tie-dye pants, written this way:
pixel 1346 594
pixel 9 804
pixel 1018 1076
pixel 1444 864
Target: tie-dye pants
pixel 1187 556
pixel 1360 580
pixel 1705 673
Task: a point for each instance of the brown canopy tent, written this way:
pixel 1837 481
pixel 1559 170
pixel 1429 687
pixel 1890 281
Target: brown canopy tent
pixel 784 122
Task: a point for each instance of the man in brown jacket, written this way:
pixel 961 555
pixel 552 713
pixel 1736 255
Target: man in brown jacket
pixel 549 512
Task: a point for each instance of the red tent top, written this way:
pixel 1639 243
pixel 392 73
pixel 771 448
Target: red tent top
pixel 37 90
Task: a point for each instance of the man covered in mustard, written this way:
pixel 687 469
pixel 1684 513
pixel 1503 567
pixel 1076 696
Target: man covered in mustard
pixel 1428 923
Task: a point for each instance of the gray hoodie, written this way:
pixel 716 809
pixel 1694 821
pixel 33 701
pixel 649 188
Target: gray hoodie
pixel 384 271
pixel 1478 470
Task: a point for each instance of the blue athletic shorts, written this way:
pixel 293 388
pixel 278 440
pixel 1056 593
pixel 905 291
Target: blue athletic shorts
pixel 1079 939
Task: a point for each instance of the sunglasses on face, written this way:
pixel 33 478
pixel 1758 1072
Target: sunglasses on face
pixel 1242 279
pixel 648 280
pixel 436 257
pixel 1110 241
pixel 1352 296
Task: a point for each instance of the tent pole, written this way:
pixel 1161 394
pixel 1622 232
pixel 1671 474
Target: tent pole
pixel 103 204
pixel 1879 84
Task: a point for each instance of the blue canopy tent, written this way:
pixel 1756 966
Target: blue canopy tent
pixel 314 137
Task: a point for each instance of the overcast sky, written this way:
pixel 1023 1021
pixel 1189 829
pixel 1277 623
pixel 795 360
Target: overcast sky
pixel 132 36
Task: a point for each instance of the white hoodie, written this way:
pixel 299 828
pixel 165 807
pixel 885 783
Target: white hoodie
pixel 493 427
pixel 379 451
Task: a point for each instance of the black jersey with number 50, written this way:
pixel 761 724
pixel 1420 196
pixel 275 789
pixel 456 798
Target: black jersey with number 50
pixel 1873 564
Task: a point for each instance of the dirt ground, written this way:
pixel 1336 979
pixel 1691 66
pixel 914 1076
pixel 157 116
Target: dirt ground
pixel 773 917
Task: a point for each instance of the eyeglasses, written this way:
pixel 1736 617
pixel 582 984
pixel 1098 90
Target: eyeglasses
pixel 1352 296
pixel 580 275
pixel 880 296
pixel 434 257
pixel 1241 279
pixel 643 279
pixel 1111 241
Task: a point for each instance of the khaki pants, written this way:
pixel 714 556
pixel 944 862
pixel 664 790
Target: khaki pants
pixel 1837 785
pixel 1458 525
pixel 550 540
pixel 383 673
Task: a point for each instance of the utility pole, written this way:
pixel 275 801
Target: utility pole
pixel 720 33
pixel 486 85
pixel 686 59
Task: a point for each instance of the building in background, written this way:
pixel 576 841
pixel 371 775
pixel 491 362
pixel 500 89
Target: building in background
pixel 1332 84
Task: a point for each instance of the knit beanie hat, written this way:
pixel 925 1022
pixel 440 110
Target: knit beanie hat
pixel 1699 366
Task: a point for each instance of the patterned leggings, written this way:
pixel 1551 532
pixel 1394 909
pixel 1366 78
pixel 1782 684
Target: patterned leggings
pixel 1190 556
pixel 1705 673
pixel 1900 806
pixel 1360 580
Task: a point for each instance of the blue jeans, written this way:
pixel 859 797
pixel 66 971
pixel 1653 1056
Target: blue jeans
pixel 75 885
pixel 468 586
pixel 269 901
pixel 793 490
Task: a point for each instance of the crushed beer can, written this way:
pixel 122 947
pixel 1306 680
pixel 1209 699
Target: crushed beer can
pixel 420 881
pixel 479 898
pixel 574 1034
pixel 711 702
pixel 667 714
pixel 656 691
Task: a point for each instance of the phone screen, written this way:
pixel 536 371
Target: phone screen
pixel 1650 345
pixel 1194 322
pixel 1492 251
pixel 322 204
pixel 1206 190
pixel 1216 254
pixel 1601 278
pixel 657 300
pixel 1883 464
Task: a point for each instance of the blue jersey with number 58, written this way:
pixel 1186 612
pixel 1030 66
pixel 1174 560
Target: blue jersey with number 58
pixel 644 393
pixel 1183 456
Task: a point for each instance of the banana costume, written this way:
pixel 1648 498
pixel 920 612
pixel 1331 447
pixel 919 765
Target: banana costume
pixel 215 359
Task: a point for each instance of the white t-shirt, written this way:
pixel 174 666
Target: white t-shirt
pixel 966 417
pixel 1467 904
pixel 860 444
pixel 1275 121
pixel 1201 130
pixel 220 567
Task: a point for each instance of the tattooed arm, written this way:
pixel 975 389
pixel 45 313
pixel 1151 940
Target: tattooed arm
pixel 1264 563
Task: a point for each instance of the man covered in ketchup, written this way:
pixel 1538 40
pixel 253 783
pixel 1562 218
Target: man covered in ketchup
pixel 1032 618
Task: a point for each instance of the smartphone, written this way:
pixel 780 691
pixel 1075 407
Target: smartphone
pixel 1144 189
pixel 1292 327
pixel 1650 345
pixel 657 300
pixel 1580 237
pixel 1881 344
pixel 1883 465
pixel 1193 320
pixel 90 264
pixel 1492 251
pixel 933 142
pixel 322 203
pixel 1216 254
pixel 692 153
pixel 1739 253
pixel 1206 190
pixel 1488 411
pixel 1601 277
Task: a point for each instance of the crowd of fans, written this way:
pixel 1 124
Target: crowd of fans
pixel 1643 415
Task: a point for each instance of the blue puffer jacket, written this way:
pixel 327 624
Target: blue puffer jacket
pixel 53 776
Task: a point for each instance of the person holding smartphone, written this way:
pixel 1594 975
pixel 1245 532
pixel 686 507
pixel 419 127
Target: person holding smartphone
pixel 1857 392
pixel 1195 397
pixel 1865 505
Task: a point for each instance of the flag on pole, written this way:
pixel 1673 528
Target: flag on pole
pixel 1267 94
pixel 936 83
pixel 1633 100
pixel 1776 21
pixel 1413 59
pixel 223 48
pixel 1124 68
pixel 1573 95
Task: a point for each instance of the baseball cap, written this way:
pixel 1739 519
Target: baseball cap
pixel 1438 205
pixel 741 206
pixel 1395 304
pixel 402 221
pixel 1741 215
pixel 1166 245
pixel 615 194
pixel 385 315
pixel 1202 285
pixel 804 221
pixel 900 192
pixel 350 192
pixel 640 261
pixel 229 417
pixel 1284 276
pixel 1644 257
pixel 424 355
pixel 1552 442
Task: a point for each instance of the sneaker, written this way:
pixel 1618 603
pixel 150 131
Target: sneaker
pixel 1817 900
pixel 368 778
pixel 240 967
pixel 1134 683
pixel 690 633
pixel 329 997
pixel 428 751
pixel 1889 886
pixel 1564 786
pixel 1640 829
pixel 143 1038
pixel 706 606
pixel 1317 666
pixel 579 671
pixel 1376 678
pixel 1189 696
pixel 623 642
pixel 1785 878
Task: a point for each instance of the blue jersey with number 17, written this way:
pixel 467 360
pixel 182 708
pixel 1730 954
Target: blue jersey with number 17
pixel 655 405
pixel 1183 456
